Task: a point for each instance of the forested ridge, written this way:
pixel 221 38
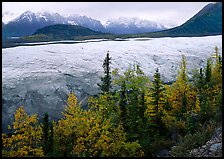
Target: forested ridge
pixel 132 116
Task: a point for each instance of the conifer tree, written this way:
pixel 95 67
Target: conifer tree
pixel 123 102
pixel 51 141
pixel 182 81
pixel 154 108
pixel 106 80
pixel 208 71
pixel 142 106
pixel 47 135
pixel 201 80
pixel 200 87
pixel 217 69
pixel 183 75
pixel 181 97
pixel 157 92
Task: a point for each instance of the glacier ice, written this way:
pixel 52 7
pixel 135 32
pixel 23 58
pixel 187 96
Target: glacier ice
pixel 40 77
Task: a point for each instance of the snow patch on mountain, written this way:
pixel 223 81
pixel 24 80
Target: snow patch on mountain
pixel 126 21
pixel 54 18
pixel 131 25
pixel 85 21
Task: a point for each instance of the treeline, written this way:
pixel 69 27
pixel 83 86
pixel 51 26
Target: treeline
pixel 132 116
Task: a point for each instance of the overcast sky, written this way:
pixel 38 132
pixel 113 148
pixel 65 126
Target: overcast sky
pixel 166 13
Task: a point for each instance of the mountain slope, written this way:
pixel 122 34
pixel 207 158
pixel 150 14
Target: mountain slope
pixel 206 22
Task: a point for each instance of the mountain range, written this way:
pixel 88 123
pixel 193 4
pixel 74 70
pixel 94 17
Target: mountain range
pixel 28 22
pixel 207 21
pixel 124 25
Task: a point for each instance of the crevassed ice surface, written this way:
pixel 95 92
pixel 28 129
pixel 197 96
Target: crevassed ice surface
pixel 39 77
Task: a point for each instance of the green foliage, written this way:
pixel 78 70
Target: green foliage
pixel 133 85
pixel 106 105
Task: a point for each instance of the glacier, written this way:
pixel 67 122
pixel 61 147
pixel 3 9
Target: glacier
pixel 40 77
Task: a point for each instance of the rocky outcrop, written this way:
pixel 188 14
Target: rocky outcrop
pixel 212 148
pixel 164 153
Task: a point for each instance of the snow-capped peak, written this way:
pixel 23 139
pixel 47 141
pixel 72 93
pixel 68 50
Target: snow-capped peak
pixel 127 21
pixel 28 15
pixel 43 16
pixel 131 25
pixel 8 16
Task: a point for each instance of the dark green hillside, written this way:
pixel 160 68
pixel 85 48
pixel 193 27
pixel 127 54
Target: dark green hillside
pixel 206 22
pixel 63 31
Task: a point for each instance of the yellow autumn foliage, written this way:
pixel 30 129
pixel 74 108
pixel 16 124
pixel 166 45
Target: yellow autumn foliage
pixel 197 106
pixel 90 132
pixel 26 137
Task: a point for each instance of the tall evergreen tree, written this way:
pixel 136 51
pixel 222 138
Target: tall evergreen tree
pixel 142 106
pixel 183 77
pixel 47 135
pixel 123 102
pixel 181 96
pixel 106 80
pixel 208 71
pixel 157 94
pixel 201 80
pixel 201 86
pixel 51 140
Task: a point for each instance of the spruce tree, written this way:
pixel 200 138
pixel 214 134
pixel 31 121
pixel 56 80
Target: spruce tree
pixel 208 71
pixel 106 80
pixel 142 105
pixel 123 102
pixel 201 80
pixel 47 135
pixel 51 141
pixel 184 82
pixel 201 86
pixel 157 94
